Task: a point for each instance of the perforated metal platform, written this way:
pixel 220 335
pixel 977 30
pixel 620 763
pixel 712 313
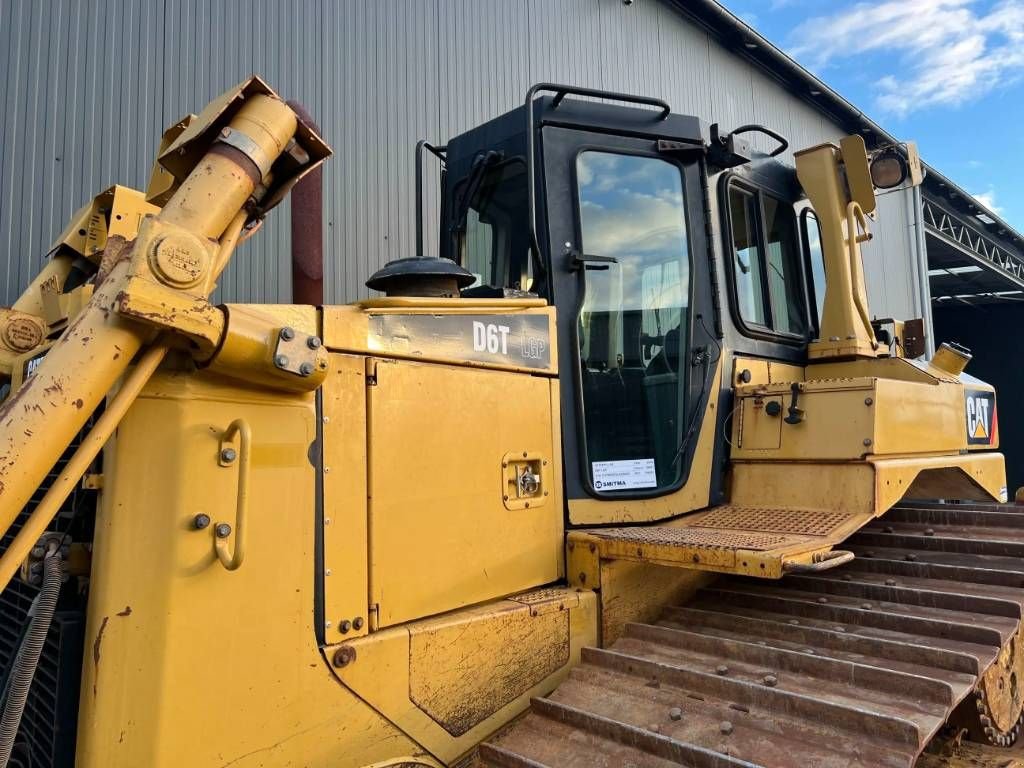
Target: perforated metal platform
pixel 856 667
pixel 750 541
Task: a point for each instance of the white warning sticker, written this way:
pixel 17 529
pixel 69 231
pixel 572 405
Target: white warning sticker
pixel 622 475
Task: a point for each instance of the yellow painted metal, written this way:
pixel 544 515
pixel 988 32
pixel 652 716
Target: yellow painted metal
pixel 694 494
pixel 348 329
pixel 168 626
pixel 115 212
pixel 866 488
pixel 345 567
pixel 450 681
pixel 249 343
pixel 845 326
pixel 639 592
pixel 437 435
pixel 759 371
pixel 849 419
pixel 72 472
pixel 42 417
pixel 162 183
pixel 858 172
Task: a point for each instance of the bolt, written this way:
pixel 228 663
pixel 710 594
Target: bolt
pixel 839 628
pixel 721 669
pixel 867 441
pixel 281 361
pixel 929 532
pixel 327 571
pixel 344 656
pixel 911 556
pixel 357 623
pixel 725 727
pixel 887 529
pixel 200 521
pixel 306 369
pixel 866 606
pixel 228 455
pixel 770 680
pixel 223 530
pixel 890 582
pixel 675 713
pixel 287 334
pixel 313 342
pixel 868 401
pixel 344 625
pixel 822 600
pixel 794 622
pixel 225 132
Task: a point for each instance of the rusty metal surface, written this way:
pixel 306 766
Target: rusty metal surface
pixel 307 229
pixel 858 666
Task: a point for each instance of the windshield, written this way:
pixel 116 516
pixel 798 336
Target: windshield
pixel 633 322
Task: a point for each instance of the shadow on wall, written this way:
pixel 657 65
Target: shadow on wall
pixel 999 360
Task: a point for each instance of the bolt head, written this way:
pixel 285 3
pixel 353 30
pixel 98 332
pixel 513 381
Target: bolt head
pixel 281 361
pixel 770 680
pixel 287 334
pixel 725 727
pixel 223 530
pixel 200 521
pixel 313 342
pixel 344 625
pixel 306 369
pixel 357 623
pixel 225 132
pixel 867 441
pixel 344 656
pixel 228 455
pixel 721 669
pixel 675 713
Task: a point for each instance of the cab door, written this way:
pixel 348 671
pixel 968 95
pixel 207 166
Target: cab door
pixel 638 351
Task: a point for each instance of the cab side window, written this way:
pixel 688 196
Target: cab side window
pixel 768 281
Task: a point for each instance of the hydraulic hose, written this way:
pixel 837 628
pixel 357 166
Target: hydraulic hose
pixel 26 661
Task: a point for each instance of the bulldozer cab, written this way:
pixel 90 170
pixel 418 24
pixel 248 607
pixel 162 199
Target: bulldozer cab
pixel 665 253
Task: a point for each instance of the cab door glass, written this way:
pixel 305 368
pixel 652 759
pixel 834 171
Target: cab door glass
pixel 632 326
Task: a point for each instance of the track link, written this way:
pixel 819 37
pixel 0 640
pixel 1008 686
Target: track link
pixel 857 666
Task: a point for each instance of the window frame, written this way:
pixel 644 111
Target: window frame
pixel 686 396
pixel 747 328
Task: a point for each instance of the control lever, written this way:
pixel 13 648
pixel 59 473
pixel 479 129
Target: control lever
pixel 796 413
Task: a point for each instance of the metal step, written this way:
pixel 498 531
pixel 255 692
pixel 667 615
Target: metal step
pixel 861 665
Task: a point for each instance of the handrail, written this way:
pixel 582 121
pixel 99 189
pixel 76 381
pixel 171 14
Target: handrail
pixel 232 558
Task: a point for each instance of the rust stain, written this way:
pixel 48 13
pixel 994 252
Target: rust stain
pixel 126 612
pixel 96 653
pixel 78 403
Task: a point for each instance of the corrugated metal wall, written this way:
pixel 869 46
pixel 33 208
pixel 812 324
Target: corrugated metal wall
pixel 90 85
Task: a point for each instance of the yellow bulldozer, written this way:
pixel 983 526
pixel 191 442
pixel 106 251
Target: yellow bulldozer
pixel 628 475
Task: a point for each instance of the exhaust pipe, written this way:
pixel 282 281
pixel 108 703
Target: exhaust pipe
pixel 307 229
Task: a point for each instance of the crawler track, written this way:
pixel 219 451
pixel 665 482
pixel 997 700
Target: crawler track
pixel 858 666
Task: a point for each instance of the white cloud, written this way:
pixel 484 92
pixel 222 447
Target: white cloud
pixel 988 199
pixel 942 52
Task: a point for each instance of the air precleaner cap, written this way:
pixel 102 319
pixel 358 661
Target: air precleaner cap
pixel 421 276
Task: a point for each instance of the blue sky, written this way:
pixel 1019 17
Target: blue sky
pixel 946 73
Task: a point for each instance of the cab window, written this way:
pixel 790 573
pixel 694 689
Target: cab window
pixel 493 243
pixel 767 279
pixel 812 245
pixel 632 326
